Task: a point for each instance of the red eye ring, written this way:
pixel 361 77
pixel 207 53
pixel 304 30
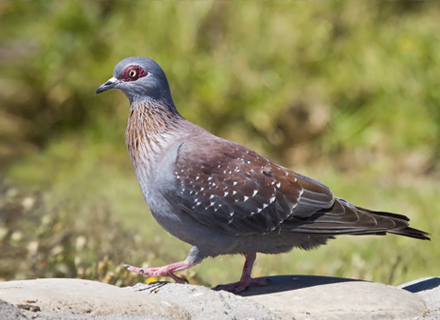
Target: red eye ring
pixel 132 73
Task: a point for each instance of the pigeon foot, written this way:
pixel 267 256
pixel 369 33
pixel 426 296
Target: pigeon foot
pixel 241 285
pixel 165 271
pixel 246 279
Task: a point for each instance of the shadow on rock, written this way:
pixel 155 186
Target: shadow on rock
pixel 421 285
pixel 291 282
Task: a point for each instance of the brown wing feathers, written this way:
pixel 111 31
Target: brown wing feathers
pixel 237 191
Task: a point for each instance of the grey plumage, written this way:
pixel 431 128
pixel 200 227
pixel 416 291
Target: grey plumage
pixel 223 198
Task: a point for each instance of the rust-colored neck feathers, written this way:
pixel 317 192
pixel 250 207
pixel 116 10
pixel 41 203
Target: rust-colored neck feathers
pixel 149 131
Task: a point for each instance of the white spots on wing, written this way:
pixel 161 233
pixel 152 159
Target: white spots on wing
pixel 278 184
pixel 210 205
pixel 265 206
pixel 272 182
pixel 248 162
pixel 272 199
pixel 209 178
pixel 301 192
pixel 255 192
pixel 211 196
pixel 245 198
pixel 213 184
pixel 234 183
pixel 231 211
pixel 177 177
pixel 259 210
pixel 219 166
pixel 198 203
pixel 225 193
pixel 197 178
pixel 176 172
pixel 234 192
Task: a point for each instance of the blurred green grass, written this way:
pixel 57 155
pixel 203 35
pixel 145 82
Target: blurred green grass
pixel 346 92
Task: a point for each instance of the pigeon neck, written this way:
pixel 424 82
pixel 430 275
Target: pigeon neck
pixel 150 129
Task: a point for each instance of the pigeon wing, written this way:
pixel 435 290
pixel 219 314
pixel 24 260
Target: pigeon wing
pixel 237 191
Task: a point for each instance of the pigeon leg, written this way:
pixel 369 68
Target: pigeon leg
pixel 245 280
pixel 163 271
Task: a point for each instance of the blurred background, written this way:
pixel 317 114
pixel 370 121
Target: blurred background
pixel 345 92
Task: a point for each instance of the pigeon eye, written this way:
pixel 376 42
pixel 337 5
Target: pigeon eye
pixel 132 73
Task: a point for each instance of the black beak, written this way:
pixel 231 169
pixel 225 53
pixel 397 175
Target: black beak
pixel 110 84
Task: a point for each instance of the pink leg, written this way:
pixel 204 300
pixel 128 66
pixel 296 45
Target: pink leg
pixel 246 279
pixel 163 271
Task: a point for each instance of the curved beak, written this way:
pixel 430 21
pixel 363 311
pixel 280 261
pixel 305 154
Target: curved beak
pixel 110 84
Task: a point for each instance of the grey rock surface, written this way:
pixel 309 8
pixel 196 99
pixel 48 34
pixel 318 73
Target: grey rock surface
pixel 21 314
pixel 313 297
pixel 285 297
pixel 85 297
pixel 205 304
pixel 429 290
pixel 10 312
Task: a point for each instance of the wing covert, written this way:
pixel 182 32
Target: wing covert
pixel 237 191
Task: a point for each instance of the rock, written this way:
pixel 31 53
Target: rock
pixel 87 297
pixel 10 312
pixel 84 299
pixel 312 297
pixel 204 304
pixel 429 290
pixel 285 297
pixel 23 314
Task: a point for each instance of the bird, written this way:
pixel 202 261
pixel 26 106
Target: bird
pixel 221 197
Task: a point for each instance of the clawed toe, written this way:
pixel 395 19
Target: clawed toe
pixel 135 269
pixel 178 279
pixel 241 285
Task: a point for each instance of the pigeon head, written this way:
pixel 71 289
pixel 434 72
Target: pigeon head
pixel 140 79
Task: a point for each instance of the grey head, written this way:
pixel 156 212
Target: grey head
pixel 140 79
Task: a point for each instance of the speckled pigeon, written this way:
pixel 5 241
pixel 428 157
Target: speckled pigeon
pixel 221 197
